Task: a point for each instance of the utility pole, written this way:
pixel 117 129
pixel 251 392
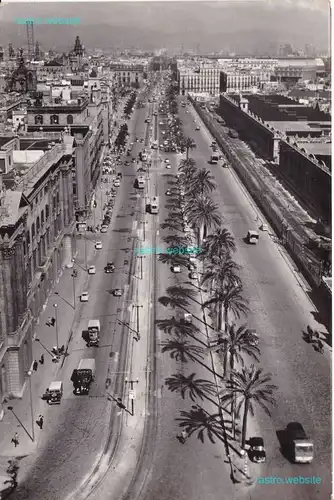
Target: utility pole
pixel 132 393
pixel 29 373
pixel 56 315
pixel 137 319
pixel 141 265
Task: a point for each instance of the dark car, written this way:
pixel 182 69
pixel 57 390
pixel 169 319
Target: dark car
pixel 256 450
pixel 109 268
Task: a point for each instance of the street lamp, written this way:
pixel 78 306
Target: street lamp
pixel 56 316
pixel 132 393
pixel 10 408
pixel 141 265
pixel 29 373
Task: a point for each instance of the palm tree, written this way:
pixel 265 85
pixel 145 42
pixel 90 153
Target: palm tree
pixel 182 350
pixel 188 144
pixel 172 226
pixel 203 214
pixel 186 163
pixel 251 387
pixel 221 272
pixel 197 388
pixel 199 420
pixel 175 240
pixel 202 182
pixel 172 259
pixel 218 243
pixel 174 327
pixel 229 299
pixel 233 344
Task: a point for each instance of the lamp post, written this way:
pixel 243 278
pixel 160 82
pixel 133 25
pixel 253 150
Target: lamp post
pixel 29 373
pixel 132 393
pixel 21 424
pixel 137 307
pixel 56 315
pixel 54 358
pixel 141 265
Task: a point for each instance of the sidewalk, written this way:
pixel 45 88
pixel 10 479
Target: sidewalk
pixel 46 372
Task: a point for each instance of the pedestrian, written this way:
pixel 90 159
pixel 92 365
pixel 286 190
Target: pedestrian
pixel 15 439
pixel 42 359
pixel 35 366
pixel 184 436
pixel 40 421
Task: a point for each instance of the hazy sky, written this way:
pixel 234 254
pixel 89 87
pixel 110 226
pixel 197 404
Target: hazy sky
pixel 149 24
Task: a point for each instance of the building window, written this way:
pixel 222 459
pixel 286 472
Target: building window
pixel 42 217
pixel 39 120
pixel 69 119
pixel 47 211
pixel 38 225
pixel 54 120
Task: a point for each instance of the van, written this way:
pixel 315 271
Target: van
pixel 252 237
pixel 54 392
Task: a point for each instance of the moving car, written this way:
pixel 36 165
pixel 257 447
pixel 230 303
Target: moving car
pixel 256 450
pixel 197 128
pixel 188 318
pixel 84 297
pixel 193 276
pixel 117 292
pixel 176 269
pixel 91 270
pixel 98 245
pixel 252 237
pixel 109 268
pixel 168 165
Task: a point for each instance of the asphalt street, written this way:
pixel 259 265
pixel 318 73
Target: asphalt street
pixel 279 311
pixel 76 431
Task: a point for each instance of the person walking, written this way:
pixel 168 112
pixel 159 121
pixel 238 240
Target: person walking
pixel 42 359
pixel 15 439
pixel 40 421
pixel 35 366
pixel 184 435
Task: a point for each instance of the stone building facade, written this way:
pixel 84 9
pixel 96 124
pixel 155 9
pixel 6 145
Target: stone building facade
pixel 36 243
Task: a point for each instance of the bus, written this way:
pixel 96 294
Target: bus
pixel 141 182
pixel 154 205
pixel 214 159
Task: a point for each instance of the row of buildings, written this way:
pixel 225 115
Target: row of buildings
pixel 57 118
pixel 243 74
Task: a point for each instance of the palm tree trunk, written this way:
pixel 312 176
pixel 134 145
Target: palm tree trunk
pixel 226 318
pixel 220 316
pixel 187 153
pixel 244 424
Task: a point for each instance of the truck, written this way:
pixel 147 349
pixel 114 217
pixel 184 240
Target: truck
pixel 300 446
pixel 94 328
pixel 83 376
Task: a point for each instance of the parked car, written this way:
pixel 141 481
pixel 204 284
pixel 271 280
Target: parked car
pixel 193 276
pixel 104 228
pixel 176 269
pixel 257 452
pixel 91 270
pixel 117 292
pixel 98 245
pixel 84 297
pixel 168 192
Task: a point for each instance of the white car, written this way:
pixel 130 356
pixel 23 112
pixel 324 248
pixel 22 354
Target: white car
pixel 176 269
pixel 117 183
pixel 117 292
pixel 98 245
pixel 104 229
pixel 91 270
pixel 168 165
pixel 84 297
pixel 197 128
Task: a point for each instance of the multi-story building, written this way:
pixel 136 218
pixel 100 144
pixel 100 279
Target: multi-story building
pixel 84 118
pixel 127 74
pixel 36 242
pixel 231 81
pixel 198 78
pixel 295 136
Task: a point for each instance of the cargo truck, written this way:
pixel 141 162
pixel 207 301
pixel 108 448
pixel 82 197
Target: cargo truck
pixel 83 376
pixel 300 446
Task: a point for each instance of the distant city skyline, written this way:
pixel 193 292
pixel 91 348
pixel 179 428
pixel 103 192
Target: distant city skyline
pixel 251 27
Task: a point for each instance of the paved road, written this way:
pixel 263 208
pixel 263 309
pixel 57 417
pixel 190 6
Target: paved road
pixel 76 431
pixel 280 311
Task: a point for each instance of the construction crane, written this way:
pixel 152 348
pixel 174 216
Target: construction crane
pixel 30 37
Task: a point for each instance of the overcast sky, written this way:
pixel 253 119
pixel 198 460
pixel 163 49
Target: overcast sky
pixel 230 23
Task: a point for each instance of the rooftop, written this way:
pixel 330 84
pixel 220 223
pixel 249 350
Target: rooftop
pixel 276 107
